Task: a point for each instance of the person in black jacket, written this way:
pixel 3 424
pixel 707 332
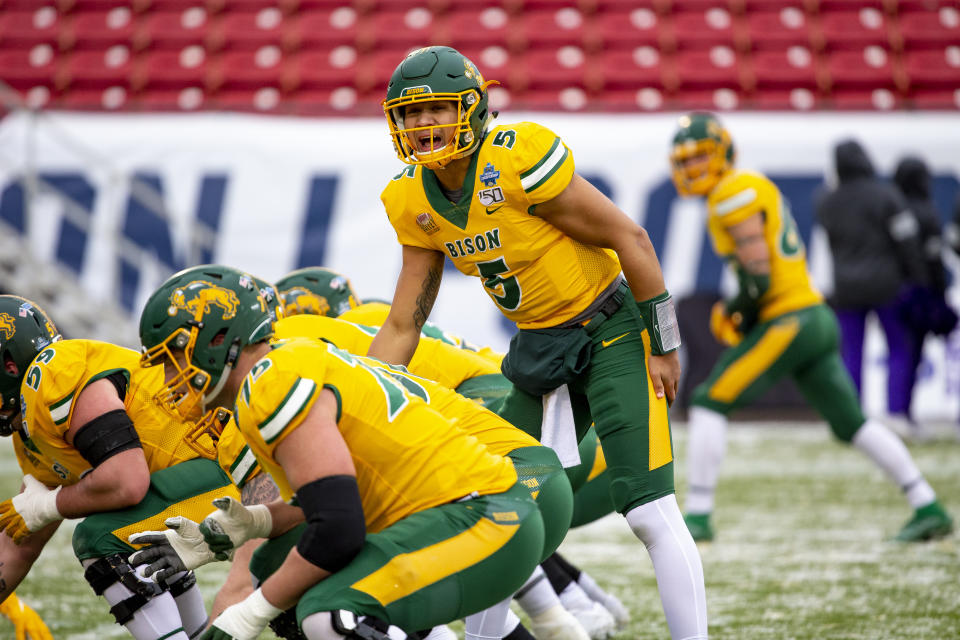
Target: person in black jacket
pixel 877 261
pixel 925 309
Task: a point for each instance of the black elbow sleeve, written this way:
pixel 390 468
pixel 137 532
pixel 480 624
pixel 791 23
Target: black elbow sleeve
pixel 105 436
pixel 336 528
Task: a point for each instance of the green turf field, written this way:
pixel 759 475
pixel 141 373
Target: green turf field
pixel 801 552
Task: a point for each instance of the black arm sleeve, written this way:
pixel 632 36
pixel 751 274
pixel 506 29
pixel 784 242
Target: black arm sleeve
pixel 336 528
pixel 105 436
pixel 119 381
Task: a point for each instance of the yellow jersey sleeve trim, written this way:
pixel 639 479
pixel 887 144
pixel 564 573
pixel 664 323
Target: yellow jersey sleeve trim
pixel 243 467
pixel 543 170
pixel 736 201
pixel 297 399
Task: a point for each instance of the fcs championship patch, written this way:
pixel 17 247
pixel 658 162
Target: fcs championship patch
pixel 426 223
pixel 490 175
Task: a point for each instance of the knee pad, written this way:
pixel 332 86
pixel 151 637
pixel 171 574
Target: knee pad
pixel 107 571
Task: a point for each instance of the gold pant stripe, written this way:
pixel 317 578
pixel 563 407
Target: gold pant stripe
pixel 409 572
pixel 599 463
pixel 658 428
pixel 196 508
pixel 755 362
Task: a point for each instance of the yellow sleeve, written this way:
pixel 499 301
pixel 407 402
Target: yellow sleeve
pixel 737 198
pixel 235 456
pixel 394 198
pixel 542 161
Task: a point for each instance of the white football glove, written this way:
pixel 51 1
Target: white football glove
pixel 244 620
pixel 180 548
pixel 30 510
pixel 232 524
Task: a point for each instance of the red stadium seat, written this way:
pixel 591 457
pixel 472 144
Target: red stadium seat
pixel 25 68
pixel 629 28
pixel 785 69
pixel 413 27
pixel 109 99
pixel 620 100
pixel 101 29
pixel 935 99
pixel 826 6
pixel 703 29
pixel 854 29
pixel 494 62
pixel 631 69
pixel 571 99
pixel 324 69
pixel 927 29
pixel 798 99
pixel 786 27
pixel 174 30
pixel 173 69
pixel 248 69
pixel 339 101
pixel 29 28
pixel 554 27
pixel 322 29
pixel 186 99
pixel 251 30
pixel 263 100
pixel 98 69
pixel 720 67
pixel 870 68
pixel 552 68
pixel 477 27
pixel 722 99
pixel 934 68
pixel 866 100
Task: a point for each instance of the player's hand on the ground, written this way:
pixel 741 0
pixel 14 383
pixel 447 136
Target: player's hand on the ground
pixel 30 510
pixel 244 620
pixel 179 548
pixel 665 374
pixel 27 624
pixel 232 524
pixel 725 327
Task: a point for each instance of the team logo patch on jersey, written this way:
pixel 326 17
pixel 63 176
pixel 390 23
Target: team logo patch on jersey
pixel 200 296
pixel 7 326
pixel 490 175
pixel 427 224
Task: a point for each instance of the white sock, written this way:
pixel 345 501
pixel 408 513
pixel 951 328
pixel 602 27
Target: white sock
pixel 193 613
pixel 512 621
pixel 536 595
pixel 574 597
pixel 158 618
pixel 488 624
pixel 705 451
pixel 676 563
pixel 890 454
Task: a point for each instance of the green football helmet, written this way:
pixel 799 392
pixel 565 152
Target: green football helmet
pixel 437 73
pixel 197 323
pixel 700 134
pixel 25 331
pixel 271 296
pixel 316 290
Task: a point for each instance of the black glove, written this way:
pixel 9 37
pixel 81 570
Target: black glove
pixel 160 557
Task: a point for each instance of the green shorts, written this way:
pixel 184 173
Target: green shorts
pixel 539 469
pixel 429 568
pixel 186 489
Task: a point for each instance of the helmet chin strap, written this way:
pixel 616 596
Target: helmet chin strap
pixel 219 386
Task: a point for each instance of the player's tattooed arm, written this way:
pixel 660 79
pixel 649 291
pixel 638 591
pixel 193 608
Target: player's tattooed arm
pixel 428 295
pixel 417 288
pixel 751 247
pixel 261 489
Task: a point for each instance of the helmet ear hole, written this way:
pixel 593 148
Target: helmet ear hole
pixel 9 365
pixel 218 339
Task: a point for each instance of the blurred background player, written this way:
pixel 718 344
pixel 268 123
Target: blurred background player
pixel 506 205
pixel 27 624
pixel 777 325
pixel 343 437
pixel 878 259
pixel 93 444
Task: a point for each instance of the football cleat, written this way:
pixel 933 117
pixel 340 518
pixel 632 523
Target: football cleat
pixel 596 620
pixel 699 526
pixel 556 623
pixel 928 523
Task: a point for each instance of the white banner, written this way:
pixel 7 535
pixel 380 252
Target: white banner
pixel 270 194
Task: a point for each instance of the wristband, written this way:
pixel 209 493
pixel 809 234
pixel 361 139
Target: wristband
pixel 660 316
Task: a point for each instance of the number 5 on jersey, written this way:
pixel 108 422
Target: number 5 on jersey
pixel 504 291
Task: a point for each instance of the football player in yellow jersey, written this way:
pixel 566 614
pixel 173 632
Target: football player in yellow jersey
pixel 777 325
pixel 92 443
pixel 405 518
pixel 597 328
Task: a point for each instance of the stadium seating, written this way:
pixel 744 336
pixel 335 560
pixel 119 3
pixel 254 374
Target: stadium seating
pixel 337 55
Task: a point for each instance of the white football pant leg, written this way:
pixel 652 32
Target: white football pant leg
pixel 708 444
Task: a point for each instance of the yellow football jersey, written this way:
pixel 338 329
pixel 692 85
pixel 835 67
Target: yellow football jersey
pixel 53 381
pixel 537 276
pixel 408 457
pixel 234 455
pixel 741 194
pixel 434 359
pixel 374 314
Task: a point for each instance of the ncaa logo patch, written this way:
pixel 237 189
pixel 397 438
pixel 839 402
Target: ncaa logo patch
pixel 427 224
pixel 490 175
